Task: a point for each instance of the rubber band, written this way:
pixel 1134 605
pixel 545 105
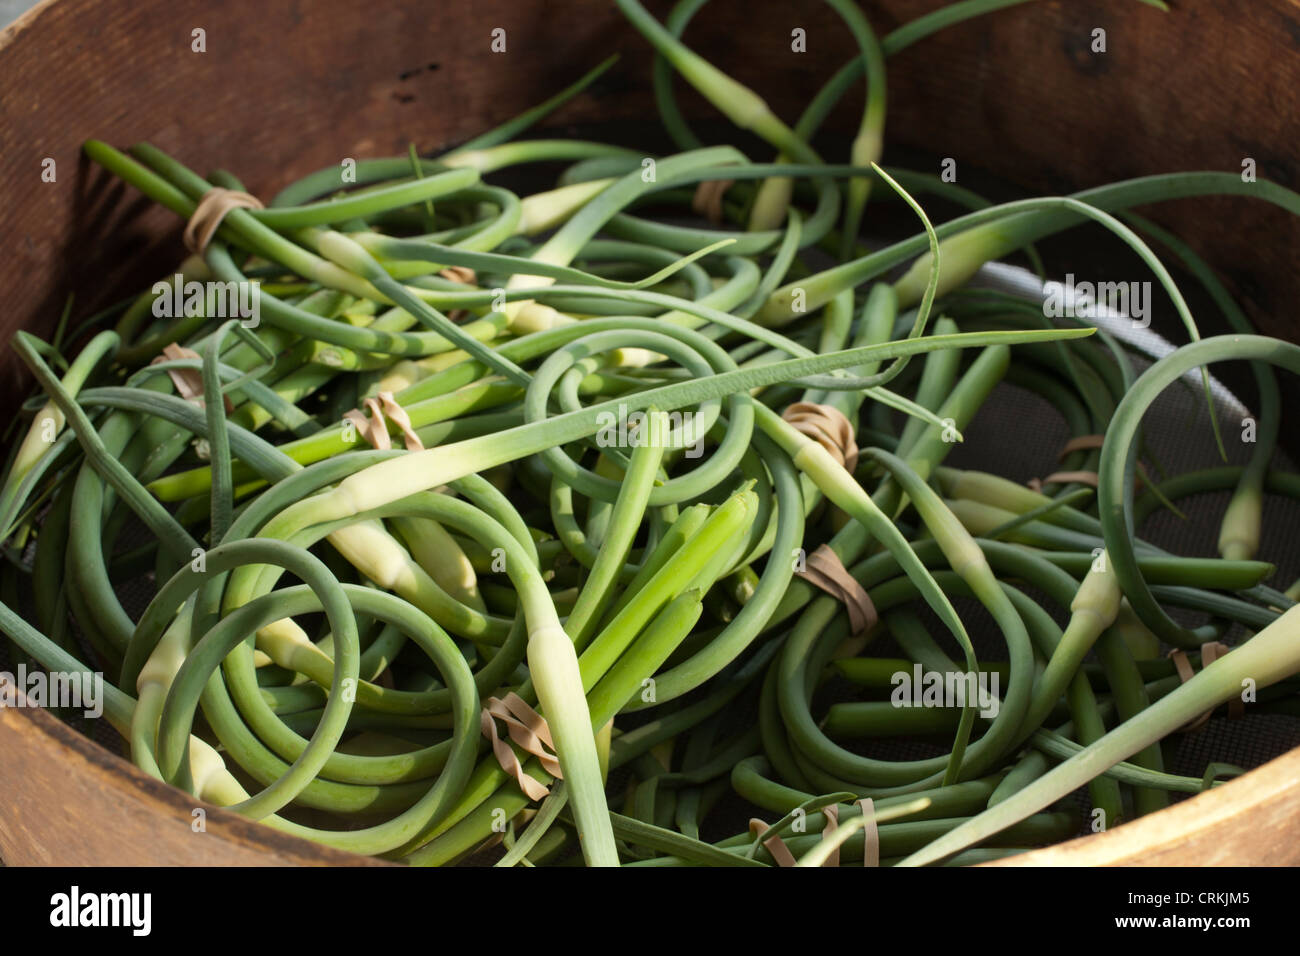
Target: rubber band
pixel 383 409
pixel 870 833
pixel 533 789
pixel 529 731
pixel 465 276
pixel 372 429
pixel 396 414
pixel 210 211
pixel 707 200
pixel 823 569
pixel 1210 652
pixel 462 274
pixel 827 426
pixel 832 814
pixel 1081 443
pixel 188 381
pixel 1064 478
pixel 870 836
pixel 773 844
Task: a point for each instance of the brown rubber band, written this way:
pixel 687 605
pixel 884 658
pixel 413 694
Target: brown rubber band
pixel 396 414
pixel 832 814
pixel 827 426
pixel 707 200
pixel 1210 652
pixel 870 833
pixel 533 789
pixel 1064 478
pixel 1090 478
pixel 462 274
pixel 188 381
pixel 1081 443
pixel 1078 443
pixel 870 836
pixel 528 729
pixel 773 844
pixel 211 210
pixel 530 733
pixel 374 429
pixel 823 569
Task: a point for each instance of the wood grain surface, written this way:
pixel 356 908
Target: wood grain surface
pixel 66 801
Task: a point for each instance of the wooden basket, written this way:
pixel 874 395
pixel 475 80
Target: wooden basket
pixel 1018 94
